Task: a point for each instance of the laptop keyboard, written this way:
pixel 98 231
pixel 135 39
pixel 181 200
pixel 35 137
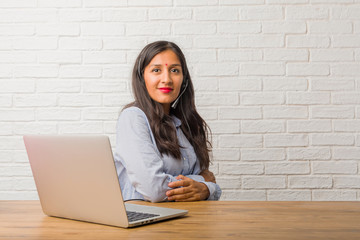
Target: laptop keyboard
pixel 135 216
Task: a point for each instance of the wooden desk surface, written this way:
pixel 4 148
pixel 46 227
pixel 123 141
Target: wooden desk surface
pixel 210 220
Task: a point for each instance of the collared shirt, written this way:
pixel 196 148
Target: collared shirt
pixel 143 172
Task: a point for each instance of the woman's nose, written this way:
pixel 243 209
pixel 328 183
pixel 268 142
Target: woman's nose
pixel 166 77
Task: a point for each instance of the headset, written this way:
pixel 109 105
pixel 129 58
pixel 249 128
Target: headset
pixel 184 85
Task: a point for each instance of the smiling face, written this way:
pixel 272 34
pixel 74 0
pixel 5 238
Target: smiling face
pixel 163 78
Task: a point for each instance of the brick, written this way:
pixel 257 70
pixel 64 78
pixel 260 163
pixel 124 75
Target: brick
pixel 239 84
pixel 307 41
pixel 243 140
pixel 198 28
pixel 35 128
pixel 62 29
pixel 215 42
pixel 220 127
pixel 216 14
pixel 262 41
pixel 345 12
pixel 102 29
pixel 229 182
pixel 285 84
pixel 346 153
pixel 306 12
pixel 80 15
pixel 308 98
pixel 332 112
pixel 208 113
pixel 333 195
pixel 44 43
pixel 247 195
pixel 104 86
pixel 287 1
pixel 264 154
pixel 288 195
pixel 37 71
pixel 242 168
pixel 17 30
pixel 262 126
pixel 284 27
pixel 350 69
pixel 346 125
pixel 346 98
pixel 118 43
pixel 211 99
pixel 100 113
pixel 125 15
pixel 146 29
pixel 198 56
pixel 240 113
pixel 226 154
pixel 151 3
pixel 6 44
pixel 227 55
pixel 6 71
pixel 309 153
pixel 206 84
pixel 262 69
pixel 11 143
pixel 241 2
pixel 117 100
pixel 307 69
pixel 56 114
pixel 352 41
pixel 18 4
pixel 14 156
pixel 217 69
pixel 329 84
pixel 287 168
pixel 334 27
pixel 238 27
pixel 30 15
pixel 5 101
pixel 308 126
pixel 17 86
pixel 81 128
pixel 283 112
pixel 311 182
pixel 332 139
pixel 272 182
pixel 286 140
pixel 70 43
pixel 285 54
pixel 347 182
pixel 334 167
pixel 57 86
pixel 80 71
pixel 6 129
pixel 261 13
pixel 195 3
pixel 104 57
pixel 83 100
pixel 59 3
pixel 15 171
pixel 19 195
pixel 104 3
pixel 59 57
pixel 261 98
pixel 331 1
pixel 334 55
pixel 35 100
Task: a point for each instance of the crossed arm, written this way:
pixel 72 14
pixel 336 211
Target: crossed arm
pixel 187 189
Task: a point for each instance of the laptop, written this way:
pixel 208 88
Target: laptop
pixel 76 178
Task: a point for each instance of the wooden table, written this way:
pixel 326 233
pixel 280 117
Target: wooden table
pixel 208 220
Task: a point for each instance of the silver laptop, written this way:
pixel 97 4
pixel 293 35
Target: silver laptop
pixel 76 178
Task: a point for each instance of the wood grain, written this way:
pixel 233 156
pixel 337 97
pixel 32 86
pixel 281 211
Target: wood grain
pixel 206 219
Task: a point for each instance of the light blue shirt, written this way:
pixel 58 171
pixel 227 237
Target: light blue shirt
pixel 143 172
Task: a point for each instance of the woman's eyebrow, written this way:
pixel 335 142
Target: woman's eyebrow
pixel 172 65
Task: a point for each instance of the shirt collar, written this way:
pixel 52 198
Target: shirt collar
pixel 176 121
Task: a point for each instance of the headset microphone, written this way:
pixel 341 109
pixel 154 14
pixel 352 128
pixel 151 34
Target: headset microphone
pixel 175 103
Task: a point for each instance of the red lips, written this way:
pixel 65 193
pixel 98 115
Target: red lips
pixel 165 90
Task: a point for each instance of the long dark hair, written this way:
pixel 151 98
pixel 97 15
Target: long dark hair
pixel 193 126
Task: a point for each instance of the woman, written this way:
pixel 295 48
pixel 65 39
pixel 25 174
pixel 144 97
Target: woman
pixel 162 149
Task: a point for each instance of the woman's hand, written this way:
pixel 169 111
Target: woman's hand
pixel 208 176
pixel 187 189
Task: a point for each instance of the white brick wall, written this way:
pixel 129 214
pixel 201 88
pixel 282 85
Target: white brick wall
pixel 278 81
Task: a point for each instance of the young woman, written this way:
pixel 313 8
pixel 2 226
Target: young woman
pixel 162 149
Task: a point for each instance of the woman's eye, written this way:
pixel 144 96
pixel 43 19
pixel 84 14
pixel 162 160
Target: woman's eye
pixel 156 70
pixel 175 70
